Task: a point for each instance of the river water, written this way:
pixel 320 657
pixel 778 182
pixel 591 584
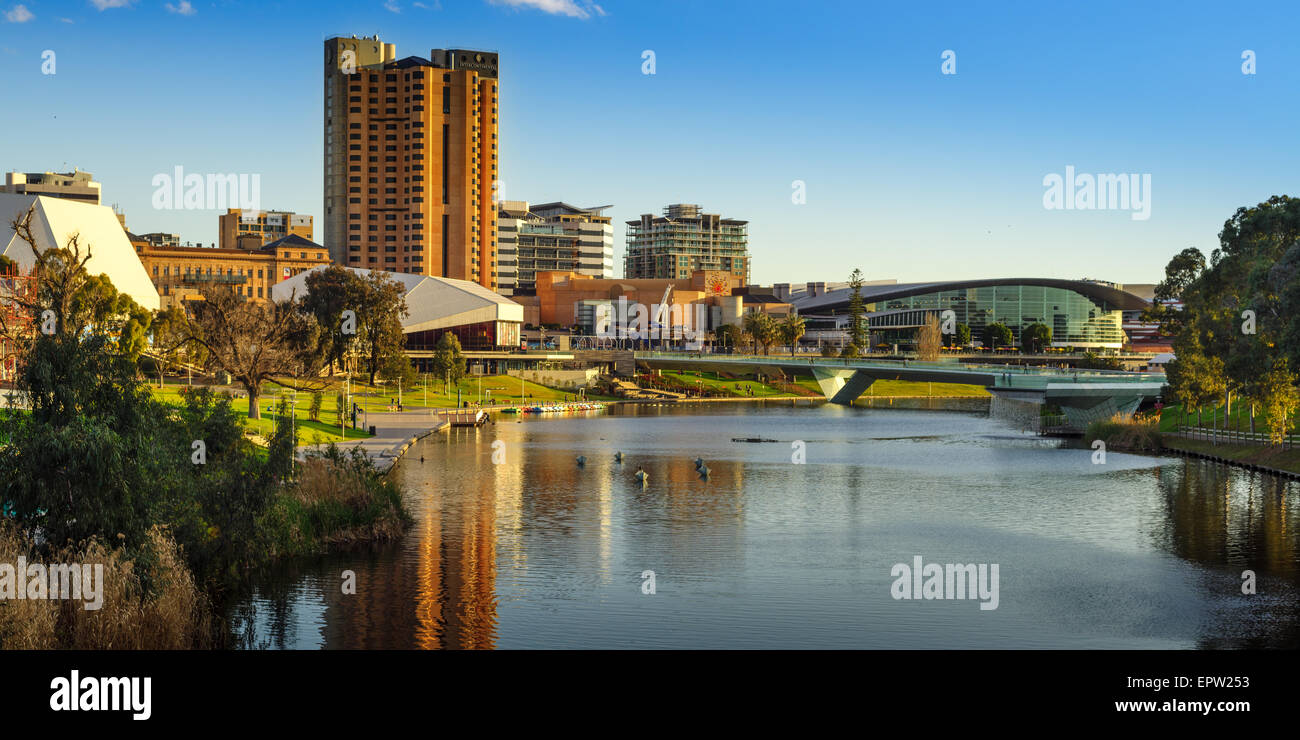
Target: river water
pixel 532 551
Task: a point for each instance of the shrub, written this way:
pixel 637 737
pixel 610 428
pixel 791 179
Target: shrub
pixel 338 498
pixel 149 600
pixel 1121 432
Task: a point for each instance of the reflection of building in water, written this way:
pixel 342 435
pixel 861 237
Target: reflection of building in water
pixel 456 561
pixel 445 563
pixel 1233 520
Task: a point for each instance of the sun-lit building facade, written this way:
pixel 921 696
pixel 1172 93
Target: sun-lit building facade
pixel 1083 314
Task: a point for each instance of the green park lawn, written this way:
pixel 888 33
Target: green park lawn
pixel 493 389
pixel 733 386
pixel 1173 416
pixel 897 388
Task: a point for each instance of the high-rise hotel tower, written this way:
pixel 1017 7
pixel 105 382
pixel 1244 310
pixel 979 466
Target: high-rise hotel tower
pixel 410 160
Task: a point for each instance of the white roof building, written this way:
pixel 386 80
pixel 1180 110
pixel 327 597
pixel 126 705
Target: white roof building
pixel 435 303
pixel 56 219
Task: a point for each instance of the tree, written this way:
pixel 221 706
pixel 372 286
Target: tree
pixel 963 336
pixel 761 328
pixel 330 292
pixel 857 311
pixel 317 401
pixel 1195 380
pixel 791 330
pixel 84 459
pixel 1035 337
pixel 1241 307
pixel 447 360
pixel 398 369
pixel 1181 272
pixel 79 301
pixel 828 350
pixel 1276 392
pixel 850 350
pixel 997 335
pixel 253 342
pixel 379 320
pixel 928 339
pixel 170 338
pixel 727 335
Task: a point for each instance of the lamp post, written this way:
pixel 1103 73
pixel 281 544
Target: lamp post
pixel 293 420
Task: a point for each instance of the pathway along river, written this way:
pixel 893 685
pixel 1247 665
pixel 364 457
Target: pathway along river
pixel 535 552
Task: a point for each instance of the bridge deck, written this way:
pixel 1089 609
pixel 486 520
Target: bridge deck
pixel 988 375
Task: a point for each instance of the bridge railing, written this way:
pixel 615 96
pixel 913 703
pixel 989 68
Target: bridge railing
pixel 1009 376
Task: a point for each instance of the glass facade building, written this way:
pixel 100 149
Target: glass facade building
pixel 1079 313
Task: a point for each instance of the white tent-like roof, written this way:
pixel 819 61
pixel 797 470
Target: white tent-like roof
pixel 431 302
pixel 56 219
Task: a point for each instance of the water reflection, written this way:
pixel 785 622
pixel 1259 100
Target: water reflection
pixel 1231 520
pixel 534 551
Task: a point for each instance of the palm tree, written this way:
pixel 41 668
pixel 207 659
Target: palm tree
pixel 791 329
pixel 761 328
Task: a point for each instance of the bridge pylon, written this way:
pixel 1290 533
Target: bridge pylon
pixel 842 386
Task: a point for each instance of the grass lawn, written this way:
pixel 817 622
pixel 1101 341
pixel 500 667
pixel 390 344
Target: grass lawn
pixel 310 432
pixel 896 388
pixel 494 388
pixel 1212 418
pixel 730 386
pixel 1266 455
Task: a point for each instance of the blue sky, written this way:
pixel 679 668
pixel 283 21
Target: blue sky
pixel 909 173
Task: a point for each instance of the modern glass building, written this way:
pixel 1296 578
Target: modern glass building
pixel 1080 313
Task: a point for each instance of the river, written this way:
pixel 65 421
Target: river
pixel 532 551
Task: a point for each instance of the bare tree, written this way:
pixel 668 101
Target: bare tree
pixel 929 339
pixel 255 343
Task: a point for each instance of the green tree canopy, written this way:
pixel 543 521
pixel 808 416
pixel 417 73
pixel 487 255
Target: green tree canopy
pixel 1035 337
pixel 857 311
pixel 997 335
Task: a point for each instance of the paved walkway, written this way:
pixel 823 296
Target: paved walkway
pixel 394 433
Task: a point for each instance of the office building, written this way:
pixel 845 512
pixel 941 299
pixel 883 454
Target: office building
pixel 550 236
pixel 683 240
pixel 266 226
pixel 76 185
pixel 410 160
pixel 568 299
pixel 182 273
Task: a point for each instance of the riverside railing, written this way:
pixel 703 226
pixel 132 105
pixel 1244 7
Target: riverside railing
pixel 1238 436
pixel 1007 376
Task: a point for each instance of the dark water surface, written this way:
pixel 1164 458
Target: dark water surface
pixel 535 552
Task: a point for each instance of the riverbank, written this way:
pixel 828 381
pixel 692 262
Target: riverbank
pixel 1263 458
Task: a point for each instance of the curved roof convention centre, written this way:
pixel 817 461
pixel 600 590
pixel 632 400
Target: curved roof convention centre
pixel 839 299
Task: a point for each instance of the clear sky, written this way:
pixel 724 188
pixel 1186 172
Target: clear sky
pixel 909 173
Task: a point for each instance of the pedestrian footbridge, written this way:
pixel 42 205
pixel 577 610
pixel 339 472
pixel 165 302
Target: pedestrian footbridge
pixel 1084 395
